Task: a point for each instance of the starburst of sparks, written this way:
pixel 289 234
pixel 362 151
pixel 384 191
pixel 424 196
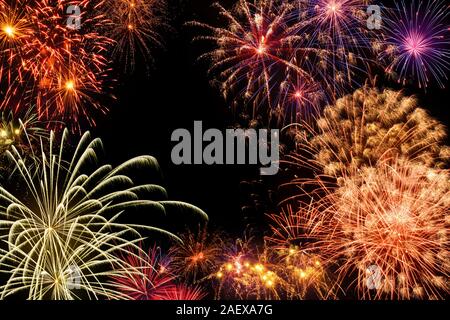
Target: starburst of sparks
pixel 62 234
pixel 417 39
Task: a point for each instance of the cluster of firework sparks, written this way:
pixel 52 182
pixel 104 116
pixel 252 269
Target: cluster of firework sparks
pixel 371 220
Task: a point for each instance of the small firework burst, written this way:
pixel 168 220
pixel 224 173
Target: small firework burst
pixel 304 273
pixel 134 27
pixel 22 135
pixel 196 256
pixel 246 277
pixel 417 42
pixel 385 232
pixel 154 281
pixel 14 31
pixel 369 125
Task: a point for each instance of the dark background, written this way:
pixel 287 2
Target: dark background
pixel 172 95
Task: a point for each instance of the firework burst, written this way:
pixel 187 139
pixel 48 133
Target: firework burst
pixel 197 255
pixel 369 125
pixel 56 66
pixel 245 276
pixel 251 52
pixel 332 41
pixel 288 57
pixel 153 282
pixel 22 135
pixel 304 273
pixel 184 292
pixel 417 42
pixel 62 234
pixel 133 26
pixel 385 231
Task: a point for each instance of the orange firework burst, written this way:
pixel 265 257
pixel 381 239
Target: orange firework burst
pixel 196 256
pixel 366 126
pixel 59 67
pixel 133 26
pixel 385 232
pixel 252 50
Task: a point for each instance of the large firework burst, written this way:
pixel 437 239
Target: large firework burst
pixel 362 128
pixel 417 41
pixel 58 67
pixel 288 57
pixel 155 280
pixel 385 231
pixel 62 233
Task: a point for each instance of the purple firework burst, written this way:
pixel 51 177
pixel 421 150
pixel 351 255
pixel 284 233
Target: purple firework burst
pixel 418 43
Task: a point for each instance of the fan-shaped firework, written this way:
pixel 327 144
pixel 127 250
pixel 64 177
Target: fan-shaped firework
pixel 134 27
pixel 385 231
pixel 367 126
pixel 66 222
pixel 153 282
pixel 417 39
pixel 197 255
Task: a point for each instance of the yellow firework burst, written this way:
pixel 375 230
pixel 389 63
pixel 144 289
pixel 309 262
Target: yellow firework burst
pixel 62 233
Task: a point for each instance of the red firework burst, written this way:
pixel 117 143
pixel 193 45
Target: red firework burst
pixel 152 279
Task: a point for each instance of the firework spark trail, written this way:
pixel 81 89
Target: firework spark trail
pixel 393 217
pixel 417 42
pixel 67 218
